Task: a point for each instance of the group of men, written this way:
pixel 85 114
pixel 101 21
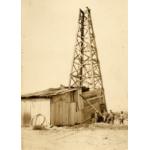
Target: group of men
pixel 107 117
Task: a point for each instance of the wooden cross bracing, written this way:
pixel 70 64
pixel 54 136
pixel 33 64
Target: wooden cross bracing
pixel 86 66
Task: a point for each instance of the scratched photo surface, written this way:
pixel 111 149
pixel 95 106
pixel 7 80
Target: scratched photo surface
pixel 74 87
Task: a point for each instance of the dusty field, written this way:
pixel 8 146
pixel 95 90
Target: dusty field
pixel 76 138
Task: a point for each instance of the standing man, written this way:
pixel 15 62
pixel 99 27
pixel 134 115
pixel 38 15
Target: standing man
pixel 105 116
pixel 121 117
pixel 111 117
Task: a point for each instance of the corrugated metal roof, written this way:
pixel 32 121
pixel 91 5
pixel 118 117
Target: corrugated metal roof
pixel 48 93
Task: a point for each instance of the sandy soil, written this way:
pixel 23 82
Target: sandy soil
pixel 75 138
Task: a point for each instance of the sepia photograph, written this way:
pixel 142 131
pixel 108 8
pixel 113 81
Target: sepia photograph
pixel 74 75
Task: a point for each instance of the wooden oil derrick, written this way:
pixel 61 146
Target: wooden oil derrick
pixel 85 72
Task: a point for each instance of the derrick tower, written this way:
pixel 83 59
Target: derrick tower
pixel 85 71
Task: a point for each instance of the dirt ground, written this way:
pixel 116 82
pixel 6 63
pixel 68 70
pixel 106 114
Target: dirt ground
pixel 93 137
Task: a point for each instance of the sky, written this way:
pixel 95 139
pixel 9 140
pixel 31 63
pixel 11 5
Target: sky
pixel 48 37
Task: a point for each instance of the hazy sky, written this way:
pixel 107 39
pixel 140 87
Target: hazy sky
pixel 48 37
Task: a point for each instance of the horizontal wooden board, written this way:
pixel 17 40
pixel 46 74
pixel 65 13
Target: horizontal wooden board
pixel 91 102
pixel 90 94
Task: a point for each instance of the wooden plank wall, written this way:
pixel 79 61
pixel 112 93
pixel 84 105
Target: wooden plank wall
pixel 63 113
pixel 52 113
pixel 93 97
pixel 69 108
pixel 41 106
pixel 72 113
pixel 80 116
pixel 63 108
pixel 32 107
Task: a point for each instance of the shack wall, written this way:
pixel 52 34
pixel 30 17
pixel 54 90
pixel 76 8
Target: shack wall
pixel 25 113
pixel 70 108
pixel 31 107
pixel 63 109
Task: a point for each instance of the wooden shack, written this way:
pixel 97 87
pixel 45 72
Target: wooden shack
pixel 61 107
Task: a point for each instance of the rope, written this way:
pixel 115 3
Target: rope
pixel 36 118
